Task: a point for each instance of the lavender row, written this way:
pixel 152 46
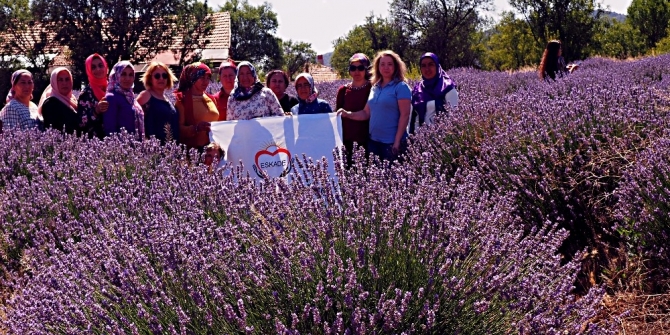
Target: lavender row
pixel 477 233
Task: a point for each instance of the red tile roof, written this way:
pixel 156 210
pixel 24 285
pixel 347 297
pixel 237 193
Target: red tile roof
pixel 219 38
pixel 322 73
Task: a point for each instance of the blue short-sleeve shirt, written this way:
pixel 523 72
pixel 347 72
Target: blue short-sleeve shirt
pixel 384 111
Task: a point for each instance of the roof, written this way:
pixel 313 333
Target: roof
pixel 35 34
pixel 220 36
pixel 219 41
pixel 322 73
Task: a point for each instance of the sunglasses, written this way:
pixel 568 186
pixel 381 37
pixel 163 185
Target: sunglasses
pixel 159 75
pixel 353 68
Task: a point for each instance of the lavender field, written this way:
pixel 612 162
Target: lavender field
pixel 515 214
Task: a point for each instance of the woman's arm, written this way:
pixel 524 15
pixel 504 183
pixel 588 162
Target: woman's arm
pixel 143 97
pixel 361 115
pixel 404 108
pixel 271 101
pixel 110 121
pixel 185 131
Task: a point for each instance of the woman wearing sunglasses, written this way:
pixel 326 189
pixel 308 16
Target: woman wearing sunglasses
pixel 387 108
pixel 91 104
pixel 353 97
pixel 159 112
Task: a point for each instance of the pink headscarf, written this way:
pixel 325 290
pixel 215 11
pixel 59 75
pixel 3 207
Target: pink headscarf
pixel 99 86
pixel 69 99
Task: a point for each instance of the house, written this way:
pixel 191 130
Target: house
pixel 321 72
pixel 215 52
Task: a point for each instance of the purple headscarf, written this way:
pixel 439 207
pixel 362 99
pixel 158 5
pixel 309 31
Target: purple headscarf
pixel 114 85
pixel 431 89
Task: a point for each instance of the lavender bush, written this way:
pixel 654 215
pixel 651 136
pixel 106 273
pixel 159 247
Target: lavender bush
pixel 128 238
pixel 645 210
pixel 483 230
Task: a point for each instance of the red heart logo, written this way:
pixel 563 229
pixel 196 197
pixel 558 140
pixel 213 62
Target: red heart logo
pixel 287 168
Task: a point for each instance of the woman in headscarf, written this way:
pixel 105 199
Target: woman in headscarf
pixel 227 75
pixel 196 108
pixel 388 107
pixel 250 98
pixel 20 112
pixel 91 104
pixel 59 109
pixel 277 81
pixel 433 93
pixel 353 97
pixel 552 64
pixel 159 113
pixel 124 111
pixel 307 97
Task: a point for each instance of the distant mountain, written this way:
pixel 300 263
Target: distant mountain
pixel 327 57
pixel 616 16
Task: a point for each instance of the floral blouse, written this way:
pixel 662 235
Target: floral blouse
pixel 90 123
pixel 263 103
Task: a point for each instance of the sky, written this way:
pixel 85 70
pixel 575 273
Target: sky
pixel 320 22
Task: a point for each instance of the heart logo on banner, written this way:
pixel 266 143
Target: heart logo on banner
pixel 275 163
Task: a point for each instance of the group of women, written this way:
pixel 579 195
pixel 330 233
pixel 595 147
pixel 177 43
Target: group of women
pixel 377 106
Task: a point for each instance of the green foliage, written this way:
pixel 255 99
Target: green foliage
pixel 193 24
pixel 445 27
pixel 619 39
pixel 651 18
pixel 355 41
pixel 134 30
pixel 374 35
pixel 21 46
pixel 253 31
pixel 296 55
pixel 663 46
pixel 573 22
pixel 511 45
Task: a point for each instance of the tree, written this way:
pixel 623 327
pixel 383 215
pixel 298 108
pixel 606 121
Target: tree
pixel 253 33
pixel 23 45
pixel 193 23
pixel 444 27
pixel 295 55
pixel 374 35
pixel 134 30
pixel 651 18
pixel 574 22
pixel 511 45
pixel 619 39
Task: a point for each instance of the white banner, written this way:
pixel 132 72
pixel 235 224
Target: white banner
pixel 272 144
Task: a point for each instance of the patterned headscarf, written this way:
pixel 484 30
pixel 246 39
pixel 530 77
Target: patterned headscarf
pixel 15 78
pixel 242 93
pixel 314 93
pixel 431 89
pixel 114 85
pixel 189 75
pixel 69 100
pixel 98 85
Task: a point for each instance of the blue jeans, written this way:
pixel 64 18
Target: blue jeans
pixel 385 151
